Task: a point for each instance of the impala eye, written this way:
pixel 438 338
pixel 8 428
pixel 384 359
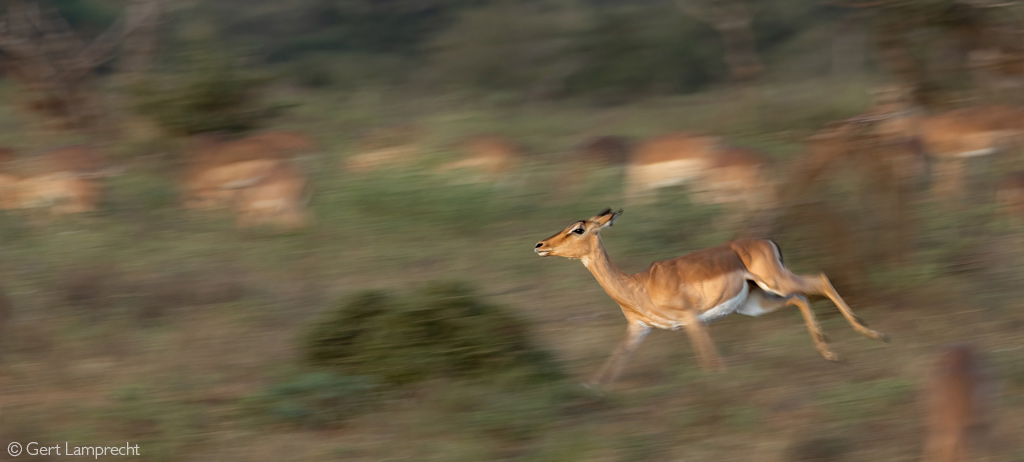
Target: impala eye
pixel 578 230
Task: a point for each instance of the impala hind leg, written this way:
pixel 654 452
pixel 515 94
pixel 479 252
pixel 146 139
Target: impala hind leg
pixel 820 285
pixel 761 302
pixel 820 340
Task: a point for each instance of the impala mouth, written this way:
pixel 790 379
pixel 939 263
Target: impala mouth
pixel 543 253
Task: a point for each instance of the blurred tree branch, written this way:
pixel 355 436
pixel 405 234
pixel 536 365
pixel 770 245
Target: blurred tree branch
pixel 46 55
pixel 925 44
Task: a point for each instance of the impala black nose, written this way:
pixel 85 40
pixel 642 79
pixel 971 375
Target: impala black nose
pixel 539 244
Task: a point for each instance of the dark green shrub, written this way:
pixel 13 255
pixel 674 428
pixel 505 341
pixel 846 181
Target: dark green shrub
pixel 444 330
pixel 215 95
pixel 315 399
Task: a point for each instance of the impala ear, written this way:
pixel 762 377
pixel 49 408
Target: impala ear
pixel 605 218
pixel 611 220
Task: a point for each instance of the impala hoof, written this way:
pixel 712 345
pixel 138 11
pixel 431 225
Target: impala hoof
pixel 836 358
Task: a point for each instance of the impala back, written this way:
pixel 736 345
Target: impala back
pixel 668 160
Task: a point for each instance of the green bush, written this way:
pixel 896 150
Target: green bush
pixel 315 399
pixel 443 330
pixel 214 95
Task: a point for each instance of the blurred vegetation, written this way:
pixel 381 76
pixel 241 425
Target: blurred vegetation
pixel 89 16
pixel 208 93
pixel 601 50
pixel 625 52
pixel 201 341
pixel 315 399
pixel 496 380
pixel 444 330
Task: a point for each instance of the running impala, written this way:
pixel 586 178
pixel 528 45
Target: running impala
pixel 745 276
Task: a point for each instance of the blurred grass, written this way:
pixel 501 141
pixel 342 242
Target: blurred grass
pixel 166 327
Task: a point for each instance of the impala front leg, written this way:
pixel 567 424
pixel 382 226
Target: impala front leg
pixel 707 355
pixel 635 334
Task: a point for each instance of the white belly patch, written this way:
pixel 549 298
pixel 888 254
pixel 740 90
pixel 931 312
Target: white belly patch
pixel 766 288
pixel 977 152
pixel 754 305
pixel 664 174
pixel 726 308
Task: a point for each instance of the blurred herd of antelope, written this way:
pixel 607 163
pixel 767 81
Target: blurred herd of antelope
pixel 254 176
pixel 895 142
pixel 65 179
pixel 260 180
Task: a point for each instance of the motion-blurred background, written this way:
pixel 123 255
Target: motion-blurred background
pixel 303 230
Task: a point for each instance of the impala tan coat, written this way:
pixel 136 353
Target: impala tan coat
pixel 971 131
pixel 958 404
pixel 80 160
pixel 745 276
pixel 9 199
pixel 206 183
pixel 215 151
pixel 377 159
pixel 218 164
pixel 955 136
pixel 738 175
pixel 387 147
pixel 668 160
pixel 279 199
pixel 488 154
pixel 63 180
pixel 61 193
pixel 952 137
pixel 883 153
pixel 7 155
pixel 283 141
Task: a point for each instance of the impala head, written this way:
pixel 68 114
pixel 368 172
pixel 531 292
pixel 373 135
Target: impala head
pixel 577 239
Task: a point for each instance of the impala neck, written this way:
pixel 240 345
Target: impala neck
pixel 620 286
